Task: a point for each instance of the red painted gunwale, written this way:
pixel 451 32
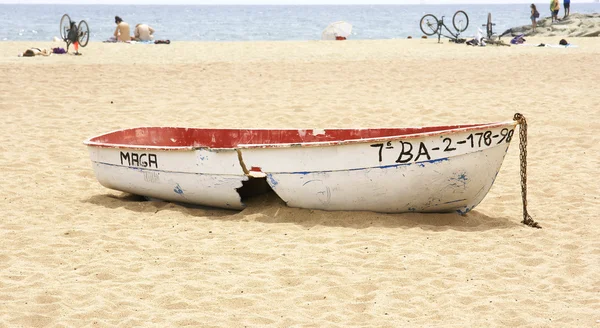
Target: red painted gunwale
pixel 177 138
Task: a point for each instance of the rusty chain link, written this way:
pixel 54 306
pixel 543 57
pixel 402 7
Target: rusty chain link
pixel 527 220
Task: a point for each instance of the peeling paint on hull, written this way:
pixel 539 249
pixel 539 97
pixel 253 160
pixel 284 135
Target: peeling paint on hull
pixel 200 189
pixel 179 176
pixel 430 187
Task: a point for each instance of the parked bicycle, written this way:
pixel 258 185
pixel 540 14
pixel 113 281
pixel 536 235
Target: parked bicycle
pixel 430 25
pixel 76 34
pixel 488 26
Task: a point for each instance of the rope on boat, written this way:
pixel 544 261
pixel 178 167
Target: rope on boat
pixel 527 219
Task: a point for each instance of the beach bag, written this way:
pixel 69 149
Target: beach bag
pixel 518 39
pixel 536 14
pixel 59 50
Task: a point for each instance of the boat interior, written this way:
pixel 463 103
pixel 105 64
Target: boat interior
pixel 231 138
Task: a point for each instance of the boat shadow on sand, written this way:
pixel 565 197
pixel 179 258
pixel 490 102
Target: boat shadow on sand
pixel 269 208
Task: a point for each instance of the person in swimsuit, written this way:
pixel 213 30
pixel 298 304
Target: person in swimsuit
pixel 143 32
pixel 73 37
pixel 534 16
pixel 122 31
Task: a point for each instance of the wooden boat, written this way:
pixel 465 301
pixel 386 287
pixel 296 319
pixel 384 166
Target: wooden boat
pixel 424 169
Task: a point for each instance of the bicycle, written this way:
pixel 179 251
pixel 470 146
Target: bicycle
pixel 77 34
pixel 430 25
pixel 488 26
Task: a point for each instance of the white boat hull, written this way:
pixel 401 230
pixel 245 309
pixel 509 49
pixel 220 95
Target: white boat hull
pixel 430 171
pixel 436 173
pixel 198 176
pixel 434 186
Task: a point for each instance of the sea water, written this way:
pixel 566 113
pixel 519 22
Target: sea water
pixel 40 22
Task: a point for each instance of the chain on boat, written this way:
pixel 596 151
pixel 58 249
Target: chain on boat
pixel 523 155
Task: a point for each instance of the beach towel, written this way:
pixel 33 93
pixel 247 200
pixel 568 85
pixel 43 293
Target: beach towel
pixel 112 39
pixel 561 46
pixel 545 45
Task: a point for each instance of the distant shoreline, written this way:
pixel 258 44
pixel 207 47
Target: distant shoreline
pixel 39 22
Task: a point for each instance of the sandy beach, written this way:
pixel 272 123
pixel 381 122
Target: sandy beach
pixel 75 254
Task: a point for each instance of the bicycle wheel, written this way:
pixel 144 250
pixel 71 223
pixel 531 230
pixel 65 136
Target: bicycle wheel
pixel 84 33
pixel 65 25
pixel 460 20
pixel 488 26
pixel 429 24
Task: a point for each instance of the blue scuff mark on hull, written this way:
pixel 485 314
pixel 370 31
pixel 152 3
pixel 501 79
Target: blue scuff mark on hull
pixel 304 172
pixel 437 160
pixel 433 161
pixel 272 180
pixel 461 180
pixel 178 189
pixel 465 211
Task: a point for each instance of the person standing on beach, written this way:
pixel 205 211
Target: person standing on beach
pixel 535 14
pixel 122 31
pixel 143 32
pixel 554 8
pixel 567 5
pixel 73 37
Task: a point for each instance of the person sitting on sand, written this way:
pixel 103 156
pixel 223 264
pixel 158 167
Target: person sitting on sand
pixel 122 31
pixel 554 8
pixel 535 14
pixel 143 32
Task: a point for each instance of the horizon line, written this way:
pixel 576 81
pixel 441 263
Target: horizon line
pixel 270 4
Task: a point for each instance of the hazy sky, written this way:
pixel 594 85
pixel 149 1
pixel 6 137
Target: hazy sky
pixel 274 2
